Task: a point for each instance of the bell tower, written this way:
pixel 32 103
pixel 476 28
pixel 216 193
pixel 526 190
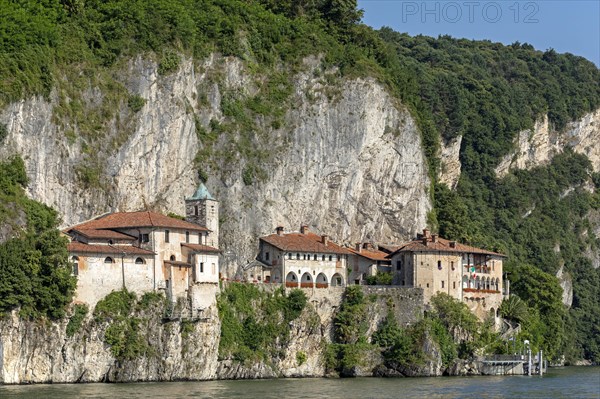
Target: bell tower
pixel 201 208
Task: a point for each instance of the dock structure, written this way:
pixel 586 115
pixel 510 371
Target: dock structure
pixel 513 365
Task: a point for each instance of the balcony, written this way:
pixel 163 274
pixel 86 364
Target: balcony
pixel 321 285
pixel 291 284
pixel 306 285
pixel 481 291
pixel 479 269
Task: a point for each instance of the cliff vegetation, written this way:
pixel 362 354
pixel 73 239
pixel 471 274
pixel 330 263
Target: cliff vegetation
pixel 76 51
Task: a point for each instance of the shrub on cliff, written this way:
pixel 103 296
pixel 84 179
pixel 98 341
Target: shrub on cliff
pixel 255 325
pixel 35 274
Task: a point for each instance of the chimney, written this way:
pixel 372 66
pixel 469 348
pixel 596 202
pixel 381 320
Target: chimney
pixel 424 239
pixel 279 230
pixel 324 240
pixel 425 233
pixel 304 229
pixel 434 238
pixel 452 244
pixel 358 247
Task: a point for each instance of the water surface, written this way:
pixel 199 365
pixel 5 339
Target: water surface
pixel 568 382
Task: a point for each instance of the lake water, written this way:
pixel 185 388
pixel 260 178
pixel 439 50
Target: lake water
pixel 568 382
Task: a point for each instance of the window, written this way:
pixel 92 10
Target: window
pixel 339 257
pixel 187 237
pixel 139 261
pixel 201 267
pixel 298 256
pixel 166 235
pixel 266 256
pixel 110 242
pixel 304 256
pixel 452 265
pixel 75 260
pixel 108 259
pixel 403 282
pixel 290 255
pixel 427 285
pixel 399 265
pixel 330 258
pixel 315 257
pixel 454 284
pixel 442 283
pixel 196 210
pixel 172 258
pixel 439 265
pixel 145 237
pixel 323 257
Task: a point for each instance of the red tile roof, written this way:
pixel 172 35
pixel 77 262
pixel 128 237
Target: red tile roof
pixel 441 245
pixel 91 233
pixel 308 242
pixel 80 247
pixel 388 248
pixel 200 248
pixel 124 220
pixel 371 254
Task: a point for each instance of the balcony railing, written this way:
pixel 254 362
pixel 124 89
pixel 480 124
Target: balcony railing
pixel 291 284
pixel 479 269
pixel 321 285
pixel 306 285
pixel 480 291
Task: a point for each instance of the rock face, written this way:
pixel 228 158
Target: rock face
pixel 537 147
pixel 34 352
pixel 566 283
pixel 347 159
pixel 450 161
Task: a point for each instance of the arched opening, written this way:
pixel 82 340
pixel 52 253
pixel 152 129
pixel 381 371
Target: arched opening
pixel 291 280
pixel 172 258
pixel 477 283
pixel 75 261
pixel 337 280
pixel 322 281
pixel 140 261
pixel 497 285
pixel 487 283
pixel 108 259
pixel 306 281
pixel 465 282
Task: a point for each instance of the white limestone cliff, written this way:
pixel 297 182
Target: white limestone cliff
pixel 538 146
pixel 349 164
pixel 450 162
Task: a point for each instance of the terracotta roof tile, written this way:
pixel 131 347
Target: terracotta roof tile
pixel 124 220
pixel 308 242
pixel 441 245
pixel 80 247
pixel 388 248
pixel 200 248
pixel 92 233
pixel 369 254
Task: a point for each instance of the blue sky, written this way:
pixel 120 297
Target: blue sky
pixel 566 26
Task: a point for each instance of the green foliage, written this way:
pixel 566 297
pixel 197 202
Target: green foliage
pixel 255 325
pixel 300 358
pixel 76 320
pixel 381 278
pixel 136 103
pixel 124 339
pixel 35 274
pixel 3 132
pixel 350 322
pixel 116 305
pixel 544 294
pixel 150 299
pixel 175 216
pixel 187 327
pixel 454 315
pixel 527 215
pixel 169 63
pixel 123 332
pixel 513 308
